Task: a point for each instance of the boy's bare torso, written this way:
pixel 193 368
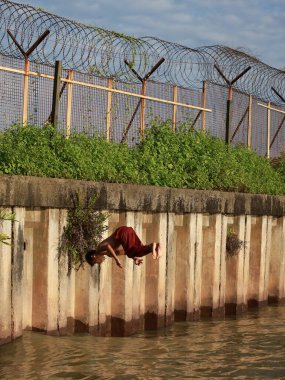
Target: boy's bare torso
pixel 117 247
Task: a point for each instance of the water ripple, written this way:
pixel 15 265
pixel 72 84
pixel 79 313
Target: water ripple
pixel 251 346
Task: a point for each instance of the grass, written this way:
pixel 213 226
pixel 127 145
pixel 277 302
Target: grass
pixel 185 159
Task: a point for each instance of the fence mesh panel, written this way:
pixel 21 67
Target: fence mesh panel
pixel 89 107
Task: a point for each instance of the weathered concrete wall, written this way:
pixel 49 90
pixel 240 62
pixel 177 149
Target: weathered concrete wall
pixel 193 279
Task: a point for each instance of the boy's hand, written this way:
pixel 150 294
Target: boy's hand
pixel 119 264
pixel 138 260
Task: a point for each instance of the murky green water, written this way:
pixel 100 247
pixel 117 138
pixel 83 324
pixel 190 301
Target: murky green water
pixel 249 347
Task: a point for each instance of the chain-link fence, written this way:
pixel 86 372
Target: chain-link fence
pixel 92 110
pixel 106 86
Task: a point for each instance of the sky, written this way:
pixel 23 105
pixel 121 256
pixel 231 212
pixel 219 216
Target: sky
pixel 256 26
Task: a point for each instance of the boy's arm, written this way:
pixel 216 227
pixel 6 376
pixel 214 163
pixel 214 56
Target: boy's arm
pixel 113 254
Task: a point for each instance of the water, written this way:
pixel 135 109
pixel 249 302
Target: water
pixel 248 347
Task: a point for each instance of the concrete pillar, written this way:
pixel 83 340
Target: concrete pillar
pixel 138 293
pixel 89 312
pixel 237 269
pixel 28 277
pixel 211 266
pixel 52 272
pixel 220 266
pixel 17 272
pixel 259 259
pixel 155 228
pixel 282 265
pixel 39 220
pixel 93 291
pixel 104 298
pixel 182 250
pixel 194 264
pixel 265 259
pixel 5 285
pixel 246 252
pixel 170 269
pixel 121 282
pixel 81 307
pixel 104 295
pixel 277 262
pixel 134 286
pixel 65 287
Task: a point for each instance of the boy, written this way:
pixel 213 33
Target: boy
pixel 123 241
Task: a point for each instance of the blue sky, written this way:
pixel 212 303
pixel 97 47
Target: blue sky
pixel 258 26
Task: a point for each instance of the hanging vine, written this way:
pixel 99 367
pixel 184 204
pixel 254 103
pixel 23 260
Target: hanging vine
pixel 84 230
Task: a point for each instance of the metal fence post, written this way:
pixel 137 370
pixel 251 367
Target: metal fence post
pixel 69 103
pixel 109 107
pixel 56 92
pixel 174 112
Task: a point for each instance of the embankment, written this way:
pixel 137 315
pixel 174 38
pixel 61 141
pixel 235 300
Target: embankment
pixel 193 279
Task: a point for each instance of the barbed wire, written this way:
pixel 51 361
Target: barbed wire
pixel 101 52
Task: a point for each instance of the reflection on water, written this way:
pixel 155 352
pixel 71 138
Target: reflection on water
pixel 249 347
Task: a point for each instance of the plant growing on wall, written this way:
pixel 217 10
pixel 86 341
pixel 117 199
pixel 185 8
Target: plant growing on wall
pixel 84 230
pixel 5 215
pixel 233 243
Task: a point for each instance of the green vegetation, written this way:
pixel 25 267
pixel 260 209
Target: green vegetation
pixel 83 231
pixel 185 159
pixel 5 215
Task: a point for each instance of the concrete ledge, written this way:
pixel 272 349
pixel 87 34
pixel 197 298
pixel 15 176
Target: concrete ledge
pixel 22 191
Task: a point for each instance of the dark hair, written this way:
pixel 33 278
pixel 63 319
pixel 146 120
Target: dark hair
pixel 89 256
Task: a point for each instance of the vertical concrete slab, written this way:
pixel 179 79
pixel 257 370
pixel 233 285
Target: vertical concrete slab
pixel 52 272
pixel 138 288
pixel 120 281
pixel 93 307
pixel 242 271
pixel 170 270
pixel 190 221
pixel 247 250
pixel 17 272
pixel 211 265
pixel 162 234
pixel 5 285
pixel 155 227
pixel 81 309
pixel 71 302
pixel 220 267
pixel 128 288
pixel 256 259
pixel 231 272
pixel 64 295
pixel 276 262
pixel 104 296
pixel 28 278
pixel 265 259
pixel 219 263
pixel 39 219
pixel 180 302
pixel 235 270
pixel 195 266
pixel 282 265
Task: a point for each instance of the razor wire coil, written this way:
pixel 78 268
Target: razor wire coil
pixel 100 52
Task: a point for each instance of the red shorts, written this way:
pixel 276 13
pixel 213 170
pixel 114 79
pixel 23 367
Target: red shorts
pixel 130 241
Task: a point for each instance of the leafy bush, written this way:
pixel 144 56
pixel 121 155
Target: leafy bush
pixel 83 231
pixel 5 215
pixel 185 159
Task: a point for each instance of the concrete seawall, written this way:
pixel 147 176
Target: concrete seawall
pixel 193 279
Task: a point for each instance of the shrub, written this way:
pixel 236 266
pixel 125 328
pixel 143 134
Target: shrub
pixel 83 231
pixel 185 159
